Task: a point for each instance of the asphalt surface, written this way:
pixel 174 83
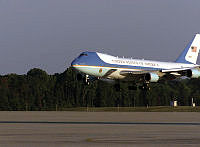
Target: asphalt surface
pixel 49 129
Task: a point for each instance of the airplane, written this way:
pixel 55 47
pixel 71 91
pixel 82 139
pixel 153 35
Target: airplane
pixel 95 65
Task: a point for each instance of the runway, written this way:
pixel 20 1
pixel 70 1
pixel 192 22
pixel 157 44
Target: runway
pixel 48 129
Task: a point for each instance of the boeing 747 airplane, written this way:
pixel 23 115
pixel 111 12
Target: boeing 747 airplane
pixel 105 67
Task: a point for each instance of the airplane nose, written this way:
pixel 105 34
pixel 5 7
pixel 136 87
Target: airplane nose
pixel 74 62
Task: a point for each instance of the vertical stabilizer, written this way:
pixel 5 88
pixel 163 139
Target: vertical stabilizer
pixel 190 53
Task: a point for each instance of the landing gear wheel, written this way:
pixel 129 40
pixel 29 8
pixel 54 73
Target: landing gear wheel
pixel 86 80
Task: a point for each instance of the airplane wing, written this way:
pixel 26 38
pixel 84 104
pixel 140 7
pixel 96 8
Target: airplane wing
pixel 109 72
pixel 173 70
pixel 165 74
pixel 177 69
pixel 128 72
pixel 139 76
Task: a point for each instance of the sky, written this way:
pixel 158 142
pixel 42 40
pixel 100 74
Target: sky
pixel 49 34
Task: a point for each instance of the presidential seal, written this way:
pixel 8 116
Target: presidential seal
pixel 100 70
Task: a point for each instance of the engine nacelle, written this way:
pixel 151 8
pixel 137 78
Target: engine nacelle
pixel 193 73
pixel 151 77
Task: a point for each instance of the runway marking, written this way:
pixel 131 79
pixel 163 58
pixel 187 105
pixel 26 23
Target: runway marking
pixel 101 123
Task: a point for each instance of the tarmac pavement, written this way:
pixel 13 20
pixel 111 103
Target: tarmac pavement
pixel 64 128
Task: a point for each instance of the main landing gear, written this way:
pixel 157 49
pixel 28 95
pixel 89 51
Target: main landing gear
pixel 85 79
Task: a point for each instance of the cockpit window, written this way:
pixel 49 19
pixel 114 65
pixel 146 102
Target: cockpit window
pixel 83 54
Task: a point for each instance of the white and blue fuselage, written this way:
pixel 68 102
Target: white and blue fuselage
pixel 106 66
pixel 98 65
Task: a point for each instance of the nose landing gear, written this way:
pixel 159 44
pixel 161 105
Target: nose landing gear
pixel 85 79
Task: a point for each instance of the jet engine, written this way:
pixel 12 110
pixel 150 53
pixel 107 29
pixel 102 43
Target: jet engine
pixel 151 77
pixel 193 73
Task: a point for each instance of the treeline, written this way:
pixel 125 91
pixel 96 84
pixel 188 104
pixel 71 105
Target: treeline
pixel 39 91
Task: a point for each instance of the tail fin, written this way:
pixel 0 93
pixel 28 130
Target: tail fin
pixel 190 53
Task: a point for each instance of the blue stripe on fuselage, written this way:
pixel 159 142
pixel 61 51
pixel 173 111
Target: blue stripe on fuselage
pixel 92 59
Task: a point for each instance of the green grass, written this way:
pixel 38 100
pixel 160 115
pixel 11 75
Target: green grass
pixel 136 109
